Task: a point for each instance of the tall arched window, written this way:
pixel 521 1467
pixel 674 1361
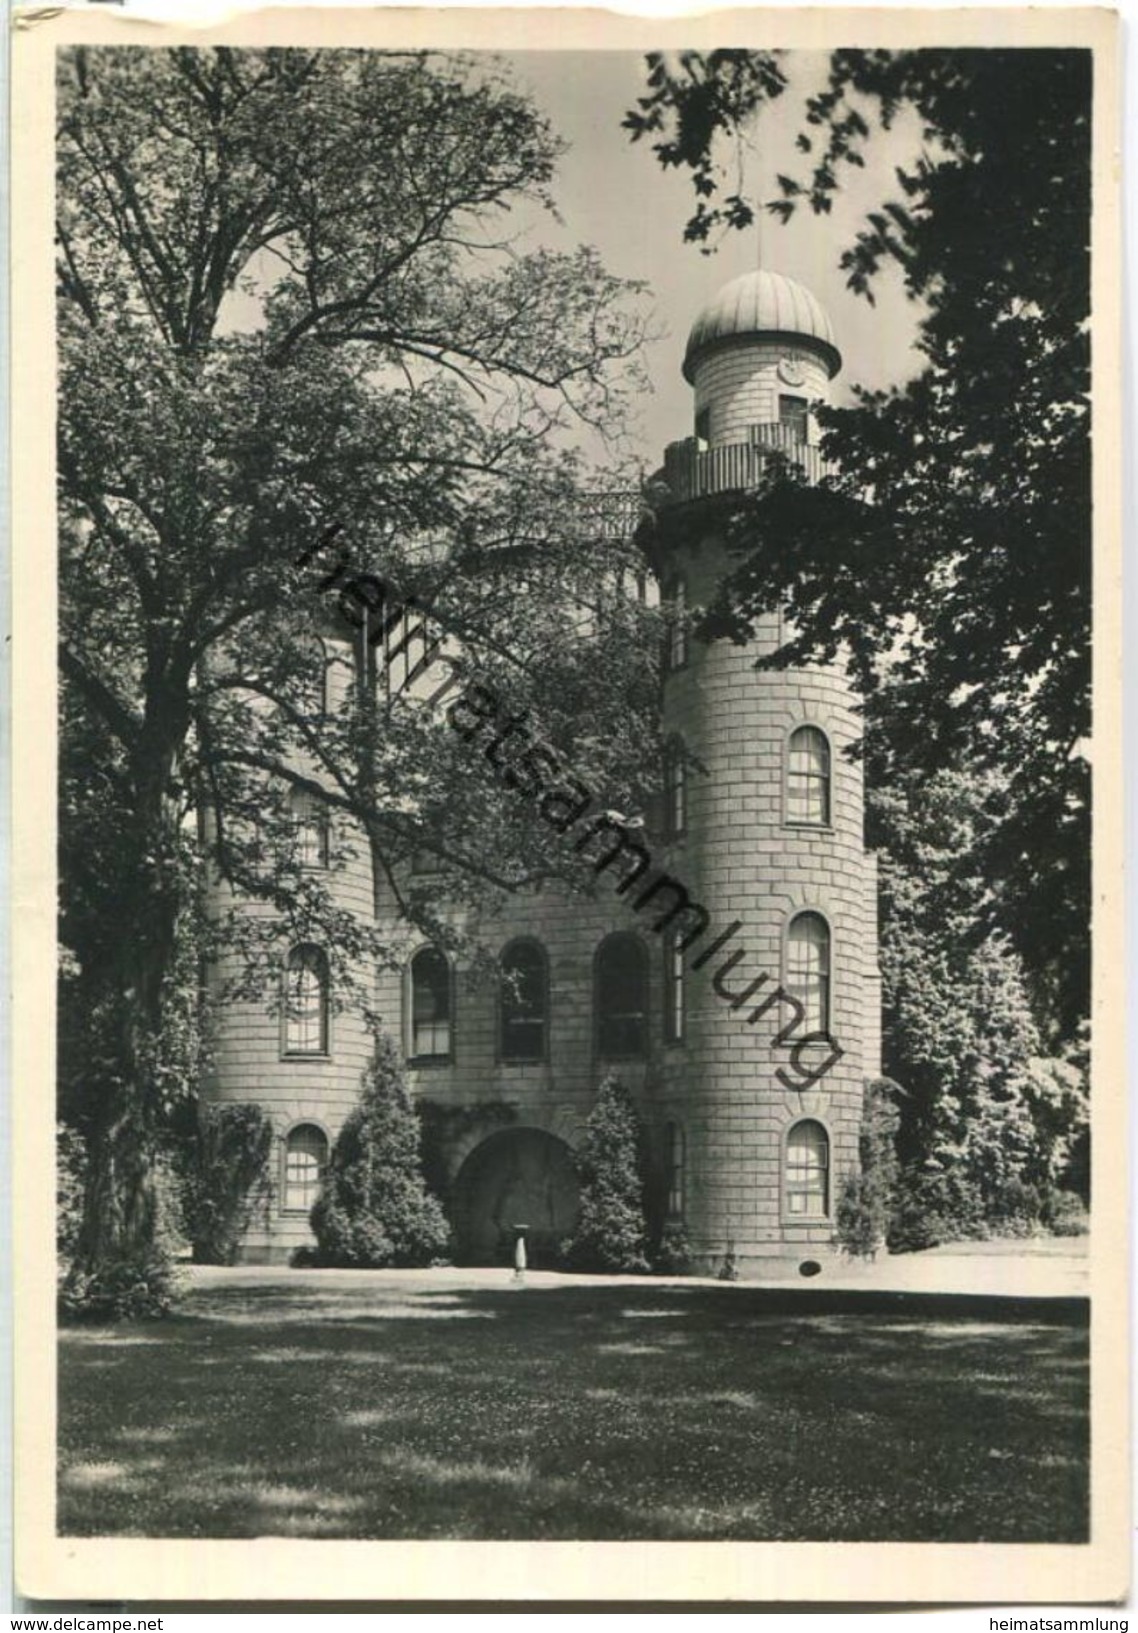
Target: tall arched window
pixel 431 1005
pixel 305 1159
pixel 310 824
pixel 621 997
pixel 808 1171
pixel 676 650
pixel 674 1014
pixel 675 791
pixel 306 1001
pixel 524 1003
pixel 675 1158
pixel 808 968
pixel 808 777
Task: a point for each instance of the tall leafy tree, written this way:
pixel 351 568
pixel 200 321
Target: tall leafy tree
pixel 983 1098
pixel 951 549
pixel 289 303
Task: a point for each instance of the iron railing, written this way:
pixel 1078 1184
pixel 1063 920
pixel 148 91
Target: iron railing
pixel 694 471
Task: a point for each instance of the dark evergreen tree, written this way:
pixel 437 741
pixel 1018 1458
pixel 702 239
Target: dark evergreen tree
pixel 611 1233
pixel 374 1208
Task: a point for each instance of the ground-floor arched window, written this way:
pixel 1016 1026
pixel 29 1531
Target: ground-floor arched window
pixel 305 1159
pixel 808 1171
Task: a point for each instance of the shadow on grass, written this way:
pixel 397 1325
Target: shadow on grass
pixel 385 1410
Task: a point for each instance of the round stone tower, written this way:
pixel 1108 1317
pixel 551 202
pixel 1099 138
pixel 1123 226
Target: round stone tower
pixel 778 990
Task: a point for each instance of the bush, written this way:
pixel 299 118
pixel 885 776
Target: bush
pixel 863 1216
pixel 374 1208
pixel 133 1282
pixel 1014 1208
pixel 1065 1214
pixel 70 1181
pixel 129 1290
pixel 225 1178
pixel 611 1231
pixel 673 1255
pixel 933 1206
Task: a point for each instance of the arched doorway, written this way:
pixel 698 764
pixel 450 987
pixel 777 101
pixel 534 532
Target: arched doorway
pixel 519 1176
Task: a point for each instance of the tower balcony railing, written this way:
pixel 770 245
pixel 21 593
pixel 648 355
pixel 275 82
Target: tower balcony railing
pixel 694 471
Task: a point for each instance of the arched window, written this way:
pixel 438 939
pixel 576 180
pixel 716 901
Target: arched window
pixel 430 1005
pixel 808 969
pixel 621 998
pixel 676 649
pixel 310 824
pixel 675 791
pixel 674 1016
pixel 306 1002
pixel 808 1171
pixel 305 1159
pixel 808 777
pixel 524 1005
pixel 675 1159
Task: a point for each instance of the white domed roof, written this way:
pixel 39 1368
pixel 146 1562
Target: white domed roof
pixel 763 303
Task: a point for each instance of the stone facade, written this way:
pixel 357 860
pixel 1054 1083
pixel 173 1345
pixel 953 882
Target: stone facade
pixel 749 1147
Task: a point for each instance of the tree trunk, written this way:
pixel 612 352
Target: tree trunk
pixel 124 1101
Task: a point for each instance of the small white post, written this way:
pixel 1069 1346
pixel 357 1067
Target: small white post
pixel 519 1276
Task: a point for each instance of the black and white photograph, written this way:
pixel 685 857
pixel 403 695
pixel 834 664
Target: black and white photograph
pixel 567 747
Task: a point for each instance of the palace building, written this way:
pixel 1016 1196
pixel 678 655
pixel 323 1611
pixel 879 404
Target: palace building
pixel 751 1130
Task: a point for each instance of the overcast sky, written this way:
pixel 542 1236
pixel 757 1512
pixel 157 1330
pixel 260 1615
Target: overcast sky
pixel 613 194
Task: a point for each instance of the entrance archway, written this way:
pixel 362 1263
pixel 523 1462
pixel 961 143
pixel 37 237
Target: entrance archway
pixel 519 1176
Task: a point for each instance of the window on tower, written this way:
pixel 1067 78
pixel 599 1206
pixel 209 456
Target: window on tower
pixel 675 791
pixel 305 1159
pixel 676 640
pixel 703 427
pixel 808 969
pixel 306 1001
pixel 674 1006
pixel 808 777
pixel 792 413
pixel 808 1171
pixel 310 826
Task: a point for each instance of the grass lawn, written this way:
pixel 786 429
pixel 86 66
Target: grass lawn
pixel 398 1407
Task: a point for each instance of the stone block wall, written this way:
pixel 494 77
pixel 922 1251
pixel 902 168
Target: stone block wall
pixel 738 385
